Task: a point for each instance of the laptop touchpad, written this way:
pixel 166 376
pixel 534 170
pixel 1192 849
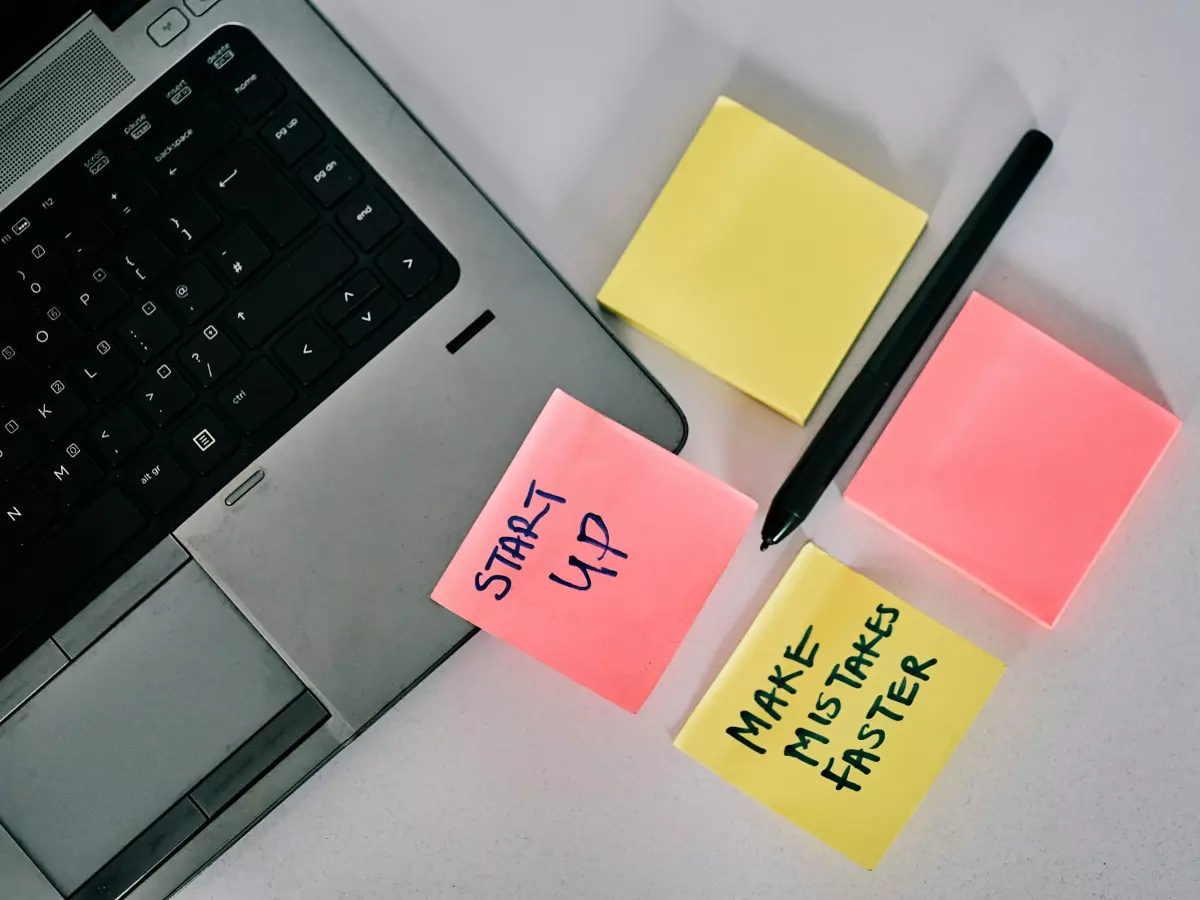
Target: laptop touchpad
pixel 133 724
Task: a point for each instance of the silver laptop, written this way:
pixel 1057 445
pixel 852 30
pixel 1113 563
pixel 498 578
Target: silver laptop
pixel 264 352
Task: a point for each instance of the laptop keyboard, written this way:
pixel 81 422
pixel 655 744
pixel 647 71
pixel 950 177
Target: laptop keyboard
pixel 174 297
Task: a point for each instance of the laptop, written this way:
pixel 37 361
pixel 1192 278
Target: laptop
pixel 264 352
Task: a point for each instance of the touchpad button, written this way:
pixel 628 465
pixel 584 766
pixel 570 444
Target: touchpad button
pixel 133 724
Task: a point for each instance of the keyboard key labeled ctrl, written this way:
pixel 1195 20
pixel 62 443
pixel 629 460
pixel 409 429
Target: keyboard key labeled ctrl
pixel 255 396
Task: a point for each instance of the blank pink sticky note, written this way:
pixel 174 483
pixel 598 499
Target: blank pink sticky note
pixel 1012 459
pixel 595 552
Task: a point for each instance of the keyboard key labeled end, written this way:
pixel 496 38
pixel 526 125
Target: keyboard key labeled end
pixel 368 218
pixel 255 395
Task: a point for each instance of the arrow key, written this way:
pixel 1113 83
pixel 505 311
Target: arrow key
pixel 366 319
pixel 409 263
pixel 349 297
pixel 116 435
pixel 307 352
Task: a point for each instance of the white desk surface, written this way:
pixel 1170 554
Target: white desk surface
pixel 500 779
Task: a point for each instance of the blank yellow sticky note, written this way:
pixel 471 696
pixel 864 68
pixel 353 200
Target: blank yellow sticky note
pixel 840 706
pixel 762 259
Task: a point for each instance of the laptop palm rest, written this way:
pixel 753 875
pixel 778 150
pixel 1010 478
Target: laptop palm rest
pixel 97 768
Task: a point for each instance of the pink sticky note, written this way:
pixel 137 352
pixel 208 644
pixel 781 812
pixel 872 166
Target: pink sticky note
pixel 595 552
pixel 1012 459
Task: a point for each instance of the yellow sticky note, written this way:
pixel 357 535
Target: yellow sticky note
pixel 840 706
pixel 762 259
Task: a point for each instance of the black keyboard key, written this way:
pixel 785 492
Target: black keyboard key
pixel 53 192
pixel 156 480
pixel 409 263
pixel 349 297
pixel 186 221
pixel 204 441
pixel 307 352
pixel 95 299
pixel 63 560
pixel 193 292
pixel 164 394
pixel 291 134
pixel 368 218
pixel 116 434
pixel 255 395
pixel 55 409
pixel 238 253
pixel 68 475
pixel 126 197
pixel 245 182
pixel 329 176
pixel 251 90
pixel 10 314
pixel 24 514
pixel 47 337
pixel 16 375
pixel 102 370
pixel 18 444
pixel 292 285
pixel 149 331
pixel 81 234
pixel 142 260
pixel 191 140
pixel 30 278
pixel 209 356
pixel 366 319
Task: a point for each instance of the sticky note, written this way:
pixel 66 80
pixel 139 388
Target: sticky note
pixel 1012 459
pixel 840 706
pixel 595 552
pixel 762 259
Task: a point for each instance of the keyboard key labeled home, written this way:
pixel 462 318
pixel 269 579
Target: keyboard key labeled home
pixel 209 356
pixel 163 319
pixel 307 352
pixel 367 217
pixel 251 89
pixel 255 395
pixel 116 435
pixel 204 441
pixel 244 182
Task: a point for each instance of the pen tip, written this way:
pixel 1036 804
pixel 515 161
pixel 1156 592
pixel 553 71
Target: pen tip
pixel 765 544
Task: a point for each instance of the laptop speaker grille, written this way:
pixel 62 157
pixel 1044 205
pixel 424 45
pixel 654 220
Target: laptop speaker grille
pixel 48 109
